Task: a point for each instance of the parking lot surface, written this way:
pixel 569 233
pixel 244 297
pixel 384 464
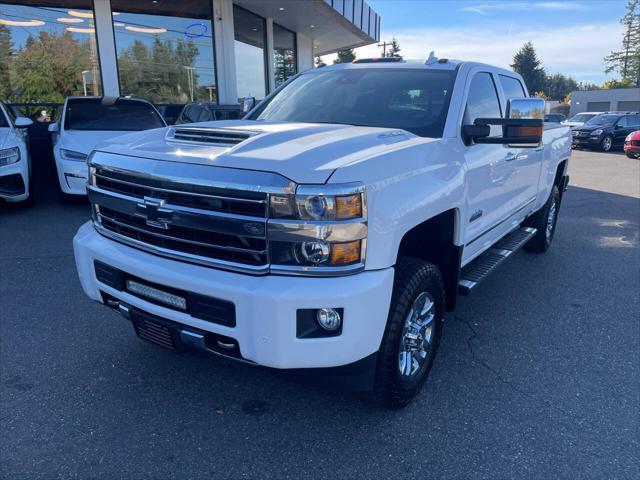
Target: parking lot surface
pixel 538 373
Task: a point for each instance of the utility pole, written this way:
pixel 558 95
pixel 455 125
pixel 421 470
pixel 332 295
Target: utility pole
pixel 384 46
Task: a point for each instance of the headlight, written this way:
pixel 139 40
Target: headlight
pixel 596 133
pixel 320 229
pixel 72 155
pixel 320 207
pixel 9 156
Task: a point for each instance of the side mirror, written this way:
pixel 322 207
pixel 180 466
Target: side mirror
pixel 247 103
pixel 23 122
pixel 53 128
pixel 523 126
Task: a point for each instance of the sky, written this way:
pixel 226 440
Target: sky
pixel 570 37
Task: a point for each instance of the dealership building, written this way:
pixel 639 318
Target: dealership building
pixel 170 51
pixel 605 100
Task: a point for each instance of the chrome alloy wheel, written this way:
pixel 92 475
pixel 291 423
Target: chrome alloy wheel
pixel 551 220
pixel 607 143
pixel 417 335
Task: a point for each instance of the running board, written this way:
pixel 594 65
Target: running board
pixel 481 267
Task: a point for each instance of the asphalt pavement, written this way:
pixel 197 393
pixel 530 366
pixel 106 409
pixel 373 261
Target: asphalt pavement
pixel 538 373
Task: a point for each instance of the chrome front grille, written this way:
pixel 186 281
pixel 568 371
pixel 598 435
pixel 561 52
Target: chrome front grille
pixel 211 225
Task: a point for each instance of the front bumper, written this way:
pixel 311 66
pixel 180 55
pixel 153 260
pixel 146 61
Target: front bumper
pixel 14 181
pixel 266 306
pixel 72 175
pixel 589 142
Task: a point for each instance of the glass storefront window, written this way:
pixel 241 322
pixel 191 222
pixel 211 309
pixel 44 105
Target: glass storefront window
pixel 250 44
pixel 48 53
pixel 165 50
pixel 284 54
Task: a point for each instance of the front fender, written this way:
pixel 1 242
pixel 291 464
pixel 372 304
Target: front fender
pixel 405 188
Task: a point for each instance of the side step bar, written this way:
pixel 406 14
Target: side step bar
pixel 486 263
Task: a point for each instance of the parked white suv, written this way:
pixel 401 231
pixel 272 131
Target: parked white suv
pixel 334 225
pixel 86 121
pixel 15 161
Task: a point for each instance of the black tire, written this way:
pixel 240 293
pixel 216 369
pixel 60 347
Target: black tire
pixel 632 155
pixel 412 277
pixel 606 144
pixel 541 241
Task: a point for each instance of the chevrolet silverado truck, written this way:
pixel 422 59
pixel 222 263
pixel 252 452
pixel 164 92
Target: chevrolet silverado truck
pixel 334 225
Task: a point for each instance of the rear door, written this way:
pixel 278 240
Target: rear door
pixel 626 125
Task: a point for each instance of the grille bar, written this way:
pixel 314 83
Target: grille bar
pixel 160 189
pixel 104 217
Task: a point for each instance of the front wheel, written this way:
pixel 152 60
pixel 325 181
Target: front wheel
pixel 606 144
pixel 630 154
pixel 412 332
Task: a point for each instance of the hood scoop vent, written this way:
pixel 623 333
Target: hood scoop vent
pixel 210 136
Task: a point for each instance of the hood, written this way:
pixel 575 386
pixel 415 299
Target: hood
pixel 302 152
pixel 84 141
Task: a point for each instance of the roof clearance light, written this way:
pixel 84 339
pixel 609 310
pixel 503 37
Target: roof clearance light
pixel 16 23
pixel 70 20
pixel 80 30
pixel 145 30
pixel 75 13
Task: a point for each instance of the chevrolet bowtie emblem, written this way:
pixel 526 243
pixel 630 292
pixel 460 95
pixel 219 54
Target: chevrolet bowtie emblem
pixel 153 213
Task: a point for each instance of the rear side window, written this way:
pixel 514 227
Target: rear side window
pixel 483 102
pixel 634 120
pixel 123 115
pixel 623 122
pixel 512 87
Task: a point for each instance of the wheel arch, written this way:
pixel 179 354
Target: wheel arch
pixel 434 241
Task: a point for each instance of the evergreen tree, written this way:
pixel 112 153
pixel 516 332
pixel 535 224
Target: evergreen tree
pixel 627 60
pixel 5 59
pixel 345 56
pixel 394 49
pixel 527 64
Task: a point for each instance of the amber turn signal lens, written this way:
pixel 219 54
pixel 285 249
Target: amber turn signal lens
pixel 349 206
pixel 345 253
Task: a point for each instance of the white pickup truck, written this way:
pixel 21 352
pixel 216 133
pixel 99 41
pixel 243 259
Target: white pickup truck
pixel 334 225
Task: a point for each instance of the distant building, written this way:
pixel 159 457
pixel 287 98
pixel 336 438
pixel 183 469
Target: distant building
pixel 619 99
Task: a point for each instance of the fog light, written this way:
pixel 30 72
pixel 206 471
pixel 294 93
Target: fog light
pixel 328 318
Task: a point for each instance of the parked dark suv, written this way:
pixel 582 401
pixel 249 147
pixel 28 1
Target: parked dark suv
pixel 606 131
pixel 208 111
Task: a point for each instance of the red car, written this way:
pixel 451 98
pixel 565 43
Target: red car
pixel 632 144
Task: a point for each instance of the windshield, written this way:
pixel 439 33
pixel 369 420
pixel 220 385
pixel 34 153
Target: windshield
pixel 603 120
pixel 123 115
pixel 414 100
pixel 582 117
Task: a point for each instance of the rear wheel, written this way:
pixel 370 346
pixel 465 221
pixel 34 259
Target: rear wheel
pixel 607 143
pixel 544 221
pixel 412 333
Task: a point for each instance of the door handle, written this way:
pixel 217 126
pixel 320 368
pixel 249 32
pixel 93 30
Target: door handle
pixel 515 156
